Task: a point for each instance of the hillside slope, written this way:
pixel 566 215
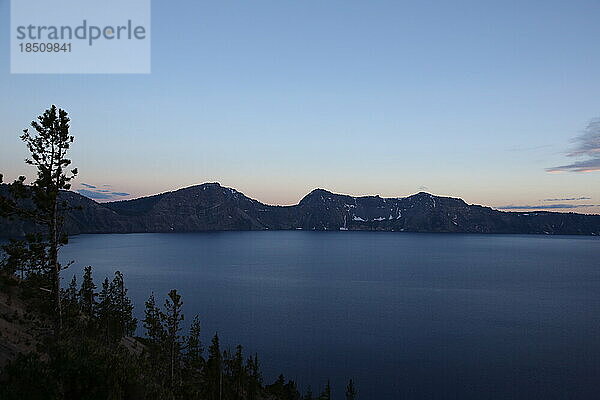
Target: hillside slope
pixel 212 207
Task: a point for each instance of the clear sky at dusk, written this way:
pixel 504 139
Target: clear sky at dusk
pixel 473 99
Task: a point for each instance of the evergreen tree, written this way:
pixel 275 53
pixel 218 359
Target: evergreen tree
pixel 48 148
pixel 152 321
pixel 277 389
pixel 6 205
pixel 72 291
pixel 71 301
pixel 254 377
pixel 290 391
pixel 351 393
pixel 193 362
pixel 238 372
pixel 87 294
pixel 194 349
pixel 124 322
pixel 172 318
pixel 283 391
pixel 156 336
pixel 326 394
pixel 213 375
pixel 105 310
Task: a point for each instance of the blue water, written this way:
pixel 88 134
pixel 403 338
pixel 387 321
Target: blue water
pixel 415 316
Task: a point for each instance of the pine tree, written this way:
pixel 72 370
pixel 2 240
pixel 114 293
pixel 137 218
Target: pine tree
pixel 254 377
pixel 48 148
pixel 105 310
pixel 326 394
pixel 152 321
pixel 283 391
pixel 87 294
pixel 71 301
pixel 277 389
pixel 156 338
pixel 72 291
pixel 213 372
pixel 290 391
pixel 194 349
pixel 238 372
pixel 172 318
pixel 351 393
pixel 193 362
pixel 125 323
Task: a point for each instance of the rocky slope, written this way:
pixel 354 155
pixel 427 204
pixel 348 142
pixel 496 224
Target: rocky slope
pixel 20 327
pixel 211 207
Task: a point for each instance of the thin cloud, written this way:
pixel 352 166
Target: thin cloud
pixel 94 195
pixel 588 146
pixel 569 199
pixel 579 166
pixel 546 206
pixel 97 193
pixel 588 143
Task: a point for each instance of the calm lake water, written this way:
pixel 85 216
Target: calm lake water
pixel 415 316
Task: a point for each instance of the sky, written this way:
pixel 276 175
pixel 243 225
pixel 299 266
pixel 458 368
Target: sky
pixel 494 102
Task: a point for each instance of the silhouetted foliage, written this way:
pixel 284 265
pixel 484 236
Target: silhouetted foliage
pixel 105 362
pixel 48 147
pixel 308 395
pixel 213 372
pixel 351 393
pixel 326 393
pixel 87 294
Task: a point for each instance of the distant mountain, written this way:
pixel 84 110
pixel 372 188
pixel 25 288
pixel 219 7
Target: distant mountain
pixel 212 207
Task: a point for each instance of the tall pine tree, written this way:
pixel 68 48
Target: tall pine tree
pixel 194 350
pixel 48 146
pixel 105 310
pixel 172 318
pixel 87 294
pixel 213 372
pixel 124 322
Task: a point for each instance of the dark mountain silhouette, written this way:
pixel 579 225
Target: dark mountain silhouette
pixel 212 207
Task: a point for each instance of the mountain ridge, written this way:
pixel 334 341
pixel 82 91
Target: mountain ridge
pixel 212 207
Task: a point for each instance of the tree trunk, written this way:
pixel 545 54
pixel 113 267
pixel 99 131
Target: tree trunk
pixel 55 268
pixel 173 363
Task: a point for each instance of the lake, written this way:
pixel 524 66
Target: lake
pixel 415 316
